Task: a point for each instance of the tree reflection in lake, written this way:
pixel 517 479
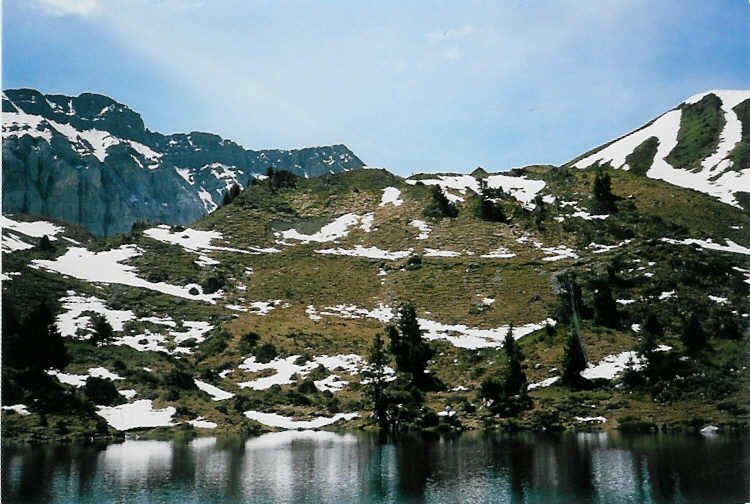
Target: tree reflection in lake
pixel 328 467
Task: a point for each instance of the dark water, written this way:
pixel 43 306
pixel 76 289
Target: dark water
pixel 325 467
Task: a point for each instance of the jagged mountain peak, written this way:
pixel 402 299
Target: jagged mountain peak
pixel 90 160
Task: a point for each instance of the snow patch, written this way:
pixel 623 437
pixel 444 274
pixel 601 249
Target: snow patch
pixel 72 320
pixel 138 414
pixel 215 392
pixel 368 252
pixel 282 422
pixel 391 196
pixel 285 368
pixel 711 245
pixel 423 228
pixel 107 267
pixel 36 229
pixel 335 230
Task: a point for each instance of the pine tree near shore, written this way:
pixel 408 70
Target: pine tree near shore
pixel 574 359
pixel 376 378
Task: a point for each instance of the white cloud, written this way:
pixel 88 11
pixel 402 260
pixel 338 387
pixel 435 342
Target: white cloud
pixel 68 7
pixel 450 34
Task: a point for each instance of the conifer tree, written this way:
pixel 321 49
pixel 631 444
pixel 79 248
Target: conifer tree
pixel 693 336
pixel 407 346
pixel 540 211
pixel 488 209
pixel 44 347
pixel 602 196
pixel 574 359
pixel 45 244
pixel 515 377
pixel 440 206
pixel 230 194
pixel 648 343
pixel 605 307
pixel 103 332
pixel 375 374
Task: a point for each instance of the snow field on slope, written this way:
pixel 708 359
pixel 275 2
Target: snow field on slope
pixel 423 228
pixel 70 321
pixel 391 196
pixel 137 414
pixel 368 253
pixel 285 368
pixel 195 240
pixel 35 229
pixel 709 244
pixel 458 335
pixel 157 342
pixel 338 228
pixel 77 380
pixel 107 267
pixel 522 189
pixel 216 393
pixel 608 368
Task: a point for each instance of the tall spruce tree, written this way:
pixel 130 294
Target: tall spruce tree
pixel 515 377
pixel 574 359
pixel 407 346
pixel 540 211
pixel 375 388
pixel 487 209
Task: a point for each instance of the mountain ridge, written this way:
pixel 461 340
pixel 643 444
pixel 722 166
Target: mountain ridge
pixel 61 154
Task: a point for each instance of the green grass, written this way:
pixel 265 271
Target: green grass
pixel 700 127
pixel 642 157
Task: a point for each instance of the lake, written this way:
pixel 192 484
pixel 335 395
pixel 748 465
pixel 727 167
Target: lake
pixel 342 468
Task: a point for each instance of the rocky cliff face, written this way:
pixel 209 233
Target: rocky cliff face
pixel 90 160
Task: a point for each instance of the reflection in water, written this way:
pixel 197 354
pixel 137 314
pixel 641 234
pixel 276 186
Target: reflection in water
pixel 326 467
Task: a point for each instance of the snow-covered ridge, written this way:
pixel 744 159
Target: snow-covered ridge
pixel 91 141
pixel 715 178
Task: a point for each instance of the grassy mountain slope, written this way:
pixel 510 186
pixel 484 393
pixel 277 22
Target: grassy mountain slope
pixel 305 298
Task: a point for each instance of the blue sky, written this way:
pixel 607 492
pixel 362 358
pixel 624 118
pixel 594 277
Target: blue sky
pixel 411 86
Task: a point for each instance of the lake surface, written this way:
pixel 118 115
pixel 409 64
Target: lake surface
pixel 342 468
